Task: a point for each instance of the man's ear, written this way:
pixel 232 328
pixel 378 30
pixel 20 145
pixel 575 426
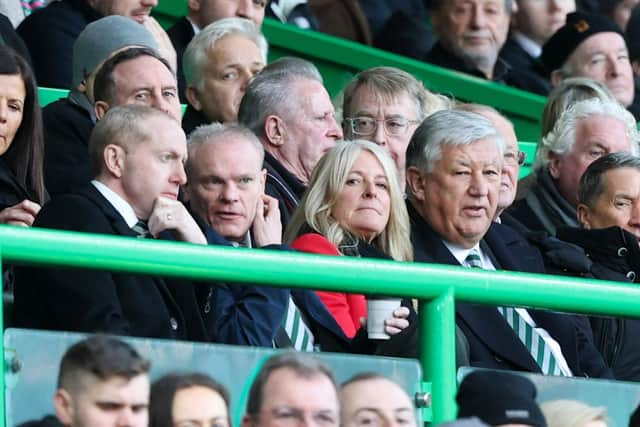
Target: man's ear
pixel 584 215
pixel 101 108
pixel 193 98
pixel 113 157
pixel 556 77
pixel 554 164
pixel 194 5
pixel 274 130
pixel 63 405
pixel 415 183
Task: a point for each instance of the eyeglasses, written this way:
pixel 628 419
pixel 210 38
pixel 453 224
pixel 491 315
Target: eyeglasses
pixel 513 157
pixel 366 126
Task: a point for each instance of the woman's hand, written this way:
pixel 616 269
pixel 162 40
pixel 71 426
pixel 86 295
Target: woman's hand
pixel 396 324
pixel 21 214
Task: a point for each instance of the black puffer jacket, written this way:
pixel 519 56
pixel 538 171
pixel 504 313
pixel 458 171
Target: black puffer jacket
pixel 607 254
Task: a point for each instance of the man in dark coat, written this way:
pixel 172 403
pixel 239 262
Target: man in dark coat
pixel 50 32
pixel 289 109
pixel 609 214
pixel 202 13
pixel 587 130
pixel 137 156
pixel 531 26
pixel 454 164
pixel 68 122
pixel 470 39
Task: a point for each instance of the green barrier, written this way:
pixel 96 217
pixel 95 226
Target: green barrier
pixel 48 95
pixel 434 285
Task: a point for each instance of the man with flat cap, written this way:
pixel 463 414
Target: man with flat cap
pixel 592 46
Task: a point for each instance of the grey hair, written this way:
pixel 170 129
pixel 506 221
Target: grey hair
pixel 195 58
pixel 448 127
pixel 591 184
pixel 387 84
pixel 563 136
pixel 304 366
pixel 218 133
pixel 571 413
pixel 270 92
pixel 438 4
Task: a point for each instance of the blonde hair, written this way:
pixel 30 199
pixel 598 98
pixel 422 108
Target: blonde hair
pixel 571 413
pixel 328 180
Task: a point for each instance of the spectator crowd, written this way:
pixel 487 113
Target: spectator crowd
pixel 264 159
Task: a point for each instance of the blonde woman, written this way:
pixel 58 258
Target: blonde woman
pixel 353 207
pixel 572 413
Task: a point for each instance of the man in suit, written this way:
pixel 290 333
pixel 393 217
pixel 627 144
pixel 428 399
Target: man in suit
pixel 204 12
pixel 454 166
pixel 218 64
pixel 470 36
pixel 226 191
pixel 137 156
pixel 532 24
pixel 288 108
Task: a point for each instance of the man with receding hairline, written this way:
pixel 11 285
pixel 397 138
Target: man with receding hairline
pixel 137 155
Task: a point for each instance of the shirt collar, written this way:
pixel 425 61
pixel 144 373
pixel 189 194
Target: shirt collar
pixel 119 204
pixel 529 46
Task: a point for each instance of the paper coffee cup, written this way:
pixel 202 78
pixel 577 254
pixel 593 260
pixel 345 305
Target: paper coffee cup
pixel 378 310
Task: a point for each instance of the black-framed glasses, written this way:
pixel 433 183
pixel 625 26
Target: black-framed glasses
pixel 366 126
pixel 513 157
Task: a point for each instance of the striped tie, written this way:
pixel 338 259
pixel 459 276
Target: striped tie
pixel 536 345
pixel 141 229
pixel 298 332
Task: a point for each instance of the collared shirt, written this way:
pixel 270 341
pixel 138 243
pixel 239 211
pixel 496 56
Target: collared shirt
pixel 529 46
pixel 461 254
pixel 196 29
pixel 119 204
pixel 246 243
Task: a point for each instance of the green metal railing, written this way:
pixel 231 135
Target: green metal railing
pixel 435 286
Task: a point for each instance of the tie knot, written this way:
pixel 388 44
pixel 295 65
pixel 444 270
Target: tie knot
pixel 141 229
pixel 473 259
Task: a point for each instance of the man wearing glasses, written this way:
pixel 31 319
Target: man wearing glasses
pixel 385 105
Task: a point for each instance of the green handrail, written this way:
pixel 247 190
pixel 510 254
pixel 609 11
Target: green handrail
pixel 434 285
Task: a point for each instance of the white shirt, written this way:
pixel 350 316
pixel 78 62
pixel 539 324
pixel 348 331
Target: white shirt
pixel 196 29
pixel 460 254
pixel 119 204
pixel 529 46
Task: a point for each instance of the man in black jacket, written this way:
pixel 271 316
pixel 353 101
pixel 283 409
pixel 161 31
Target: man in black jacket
pixel 454 165
pixel 470 36
pixel 290 111
pixel 609 212
pixel 137 156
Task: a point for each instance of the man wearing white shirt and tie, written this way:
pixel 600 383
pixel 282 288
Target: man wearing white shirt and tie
pixel 454 165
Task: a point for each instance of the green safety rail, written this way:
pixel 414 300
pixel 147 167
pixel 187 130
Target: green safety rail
pixel 338 60
pixel 435 286
pixel 48 95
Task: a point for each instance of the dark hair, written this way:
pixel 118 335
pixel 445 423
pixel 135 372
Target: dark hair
pixel 634 419
pixel 163 392
pixel 303 365
pixel 104 86
pixel 102 356
pixel 25 156
pixel 591 184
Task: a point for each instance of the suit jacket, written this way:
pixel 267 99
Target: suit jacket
pixel 50 33
pixel 180 34
pixel 492 342
pixel 98 301
pixel 285 187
